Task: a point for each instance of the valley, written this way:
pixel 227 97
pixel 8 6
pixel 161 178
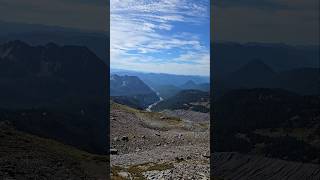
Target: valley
pixel 167 138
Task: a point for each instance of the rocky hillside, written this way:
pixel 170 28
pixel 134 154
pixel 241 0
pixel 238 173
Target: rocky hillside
pixel 229 166
pixel 152 145
pixel 268 122
pixel 27 156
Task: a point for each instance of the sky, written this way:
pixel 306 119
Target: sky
pixel 273 21
pixel 284 21
pixel 294 22
pixel 160 36
pixel 79 14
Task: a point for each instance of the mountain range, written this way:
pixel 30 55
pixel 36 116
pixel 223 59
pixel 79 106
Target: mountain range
pixel 229 56
pixel 37 34
pixel 192 85
pixel 155 80
pixel 257 74
pixel 55 91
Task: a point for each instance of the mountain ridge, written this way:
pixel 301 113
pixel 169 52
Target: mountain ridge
pixel 132 91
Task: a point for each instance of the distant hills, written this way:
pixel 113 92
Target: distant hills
pixel 155 80
pixel 131 91
pixel 229 56
pixel 257 74
pixel 192 85
pixel 168 85
pixel 167 91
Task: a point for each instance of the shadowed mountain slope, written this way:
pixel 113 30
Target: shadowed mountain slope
pixel 131 91
pixel 55 91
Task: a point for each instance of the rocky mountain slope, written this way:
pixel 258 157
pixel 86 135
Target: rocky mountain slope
pixel 25 156
pixel 55 91
pixel 268 122
pixel 49 75
pixel 229 166
pixel 151 145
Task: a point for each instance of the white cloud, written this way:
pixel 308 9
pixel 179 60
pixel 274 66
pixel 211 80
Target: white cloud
pixel 147 27
pixel 176 66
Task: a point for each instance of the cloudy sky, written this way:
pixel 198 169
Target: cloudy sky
pixel 164 36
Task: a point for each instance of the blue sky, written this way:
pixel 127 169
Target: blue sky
pixel 163 36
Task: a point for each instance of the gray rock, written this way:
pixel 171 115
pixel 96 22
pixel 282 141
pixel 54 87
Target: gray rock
pixel 113 151
pixel 125 138
pixel 125 175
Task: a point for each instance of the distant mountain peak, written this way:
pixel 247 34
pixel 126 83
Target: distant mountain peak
pixel 189 85
pixel 257 65
pixel 131 91
pixel 52 45
pixel 128 85
pixel 190 82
